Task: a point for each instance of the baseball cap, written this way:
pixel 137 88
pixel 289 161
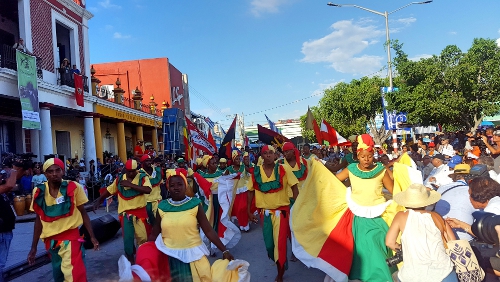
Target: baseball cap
pixel 455 160
pixel 439 156
pixel 431 144
pixel 461 169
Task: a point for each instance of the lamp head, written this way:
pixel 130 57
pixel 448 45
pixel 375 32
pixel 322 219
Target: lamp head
pixel 333 5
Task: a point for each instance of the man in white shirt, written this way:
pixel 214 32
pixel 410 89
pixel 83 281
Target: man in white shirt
pixel 455 201
pixel 439 175
pixel 446 148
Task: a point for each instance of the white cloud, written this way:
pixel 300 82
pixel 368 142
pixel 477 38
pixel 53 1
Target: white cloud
pixel 106 4
pixel 407 21
pixel 266 6
pixel 325 85
pixel 498 42
pixel 118 35
pixel 343 47
pixel 225 110
pixel 453 33
pixel 419 57
pixel 108 27
pixel 499 31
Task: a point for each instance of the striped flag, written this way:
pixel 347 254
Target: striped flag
pixel 210 123
pixel 272 126
pixel 331 135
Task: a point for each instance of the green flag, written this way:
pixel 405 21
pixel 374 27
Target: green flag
pixel 28 90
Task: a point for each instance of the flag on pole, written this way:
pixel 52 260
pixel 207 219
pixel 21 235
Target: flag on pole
pixel 226 145
pixel 187 147
pixel 210 123
pixel 78 89
pixel 317 132
pixel 198 139
pixel 247 141
pixel 272 126
pixel 331 135
pixel 310 120
pixel 211 138
pixel 270 137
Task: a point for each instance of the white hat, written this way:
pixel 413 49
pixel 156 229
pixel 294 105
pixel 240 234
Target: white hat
pixel 416 196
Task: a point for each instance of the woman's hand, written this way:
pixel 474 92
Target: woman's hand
pixel 455 223
pixel 31 256
pixel 96 243
pixel 227 255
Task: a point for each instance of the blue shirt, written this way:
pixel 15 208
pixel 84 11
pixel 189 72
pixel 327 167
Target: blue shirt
pixel 26 183
pixel 456 204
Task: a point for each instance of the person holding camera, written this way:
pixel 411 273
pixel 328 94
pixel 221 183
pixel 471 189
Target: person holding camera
pixel 423 233
pixel 8 176
pixel 494 149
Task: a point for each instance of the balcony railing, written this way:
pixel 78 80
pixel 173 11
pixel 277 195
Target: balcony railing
pixel 8 60
pixel 65 77
pixel 129 103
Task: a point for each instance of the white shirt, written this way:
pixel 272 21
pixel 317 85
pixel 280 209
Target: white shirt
pixel 425 259
pixel 441 174
pixel 455 203
pixel 493 205
pixel 447 150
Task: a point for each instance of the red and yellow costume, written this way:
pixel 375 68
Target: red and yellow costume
pixel 153 198
pixel 132 209
pixel 60 220
pixel 272 198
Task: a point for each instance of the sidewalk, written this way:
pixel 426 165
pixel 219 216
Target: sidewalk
pixel 23 234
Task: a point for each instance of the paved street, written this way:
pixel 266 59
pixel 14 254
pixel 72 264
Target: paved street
pixel 102 265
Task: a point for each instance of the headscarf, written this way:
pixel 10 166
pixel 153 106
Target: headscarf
pixel 365 142
pixel 246 154
pixel 235 154
pixel 177 172
pixel 289 146
pixel 199 161
pixel 131 164
pixel 53 161
pixel 206 159
pixel 268 148
pixel 222 160
pixel 145 157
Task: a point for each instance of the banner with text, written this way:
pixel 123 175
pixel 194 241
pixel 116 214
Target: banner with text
pixel 199 140
pixel 28 90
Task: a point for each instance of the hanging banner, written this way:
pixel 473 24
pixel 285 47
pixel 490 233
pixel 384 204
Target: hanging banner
pixel 28 90
pixel 391 118
pixel 200 142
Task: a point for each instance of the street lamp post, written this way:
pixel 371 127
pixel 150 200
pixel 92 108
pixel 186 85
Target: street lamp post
pixel 386 16
pixel 389 60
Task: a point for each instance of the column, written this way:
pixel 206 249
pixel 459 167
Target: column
pixel 46 143
pixel 23 8
pixel 140 134
pixel 90 143
pixel 122 150
pixel 98 138
pixel 35 144
pixel 154 136
pixel 20 138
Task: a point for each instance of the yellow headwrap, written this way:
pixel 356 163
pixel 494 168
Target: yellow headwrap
pixel 246 154
pixel 222 160
pixel 53 161
pixel 235 154
pixel 199 161
pixel 177 172
pixel 206 159
pixel 365 142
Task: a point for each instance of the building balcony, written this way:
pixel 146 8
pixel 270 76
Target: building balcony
pixel 8 60
pixel 129 103
pixel 65 77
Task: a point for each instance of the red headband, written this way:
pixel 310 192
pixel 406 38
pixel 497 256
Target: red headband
pixel 268 148
pixel 289 146
pixel 177 172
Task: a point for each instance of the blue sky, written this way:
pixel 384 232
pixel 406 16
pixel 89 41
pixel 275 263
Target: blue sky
pixel 248 56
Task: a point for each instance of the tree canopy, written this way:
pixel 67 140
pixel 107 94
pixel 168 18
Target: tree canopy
pixel 454 88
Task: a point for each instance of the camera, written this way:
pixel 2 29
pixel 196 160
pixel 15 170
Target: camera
pixel 484 227
pixel 397 258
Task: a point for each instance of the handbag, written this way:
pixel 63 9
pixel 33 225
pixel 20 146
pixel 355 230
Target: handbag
pixel 460 252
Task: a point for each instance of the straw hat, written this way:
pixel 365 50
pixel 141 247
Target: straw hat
pixel 417 196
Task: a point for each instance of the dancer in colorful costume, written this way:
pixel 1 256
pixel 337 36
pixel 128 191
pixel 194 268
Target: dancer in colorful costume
pixel 342 231
pixel 240 194
pixel 299 165
pixel 131 187
pixel 271 185
pixel 59 208
pixel 176 251
pixel 154 174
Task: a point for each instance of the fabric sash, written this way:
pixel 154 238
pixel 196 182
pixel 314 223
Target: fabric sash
pixel 55 212
pixel 270 186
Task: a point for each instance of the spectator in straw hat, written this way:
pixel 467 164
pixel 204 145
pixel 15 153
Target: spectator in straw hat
pixel 422 233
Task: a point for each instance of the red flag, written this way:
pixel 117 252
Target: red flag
pixel 247 141
pixel 78 89
pixel 227 144
pixel 198 139
pixel 331 135
pixel 211 138
pixel 317 132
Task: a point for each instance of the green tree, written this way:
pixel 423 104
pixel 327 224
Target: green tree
pixel 455 89
pixel 350 107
